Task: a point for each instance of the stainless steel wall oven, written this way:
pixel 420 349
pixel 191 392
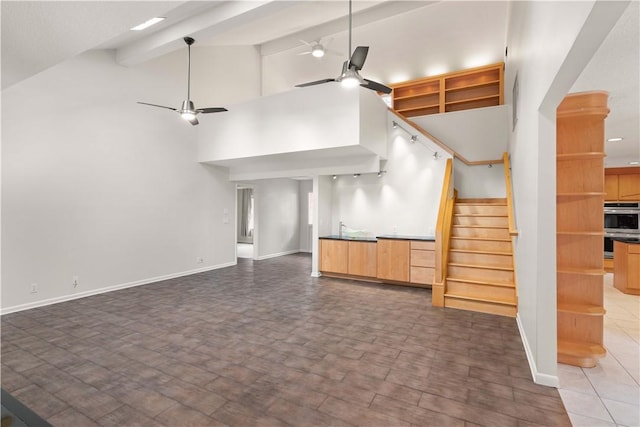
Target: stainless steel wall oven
pixel 621 220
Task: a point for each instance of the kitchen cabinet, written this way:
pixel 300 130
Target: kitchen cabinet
pixel 422 262
pixel 362 259
pixel 334 256
pixel 393 259
pixel 626 267
pixel 460 90
pixel 611 187
pixel 629 187
pixel 622 184
pixel 579 227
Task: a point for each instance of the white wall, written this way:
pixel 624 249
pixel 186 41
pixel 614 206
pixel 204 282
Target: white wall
pixel 549 44
pixel 277 204
pixel 305 187
pixel 322 209
pixel 405 200
pixel 478 134
pixel 99 187
pixel 479 181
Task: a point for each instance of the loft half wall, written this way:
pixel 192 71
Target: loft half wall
pixel 317 130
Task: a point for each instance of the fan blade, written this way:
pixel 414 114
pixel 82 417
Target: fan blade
pixel 317 82
pixel 156 105
pixel 378 87
pixel 305 53
pixel 211 110
pixel 358 57
pixel 193 121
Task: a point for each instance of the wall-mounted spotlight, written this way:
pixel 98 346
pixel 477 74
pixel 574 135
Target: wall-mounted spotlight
pixel 334 177
pixel 414 138
pixel 380 173
pixel 355 175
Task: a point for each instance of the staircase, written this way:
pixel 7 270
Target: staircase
pixel 480 270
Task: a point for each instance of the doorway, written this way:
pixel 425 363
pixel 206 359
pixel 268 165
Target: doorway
pixel 245 222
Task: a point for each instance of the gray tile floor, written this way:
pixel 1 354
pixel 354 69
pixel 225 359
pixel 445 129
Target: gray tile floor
pixel 263 343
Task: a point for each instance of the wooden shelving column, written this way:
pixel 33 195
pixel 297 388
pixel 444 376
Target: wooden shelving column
pixel 460 90
pixel 579 227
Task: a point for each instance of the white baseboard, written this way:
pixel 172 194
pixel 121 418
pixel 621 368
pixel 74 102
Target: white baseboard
pixel 538 377
pixel 84 294
pixel 316 274
pixel 260 258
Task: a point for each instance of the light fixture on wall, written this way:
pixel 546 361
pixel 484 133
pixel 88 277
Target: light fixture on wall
pixel 334 177
pixel 414 138
pixel 381 172
pixel 616 139
pixel 355 175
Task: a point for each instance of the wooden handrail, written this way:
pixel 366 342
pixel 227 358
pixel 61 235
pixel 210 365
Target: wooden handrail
pixel 443 229
pixel 507 179
pixel 444 146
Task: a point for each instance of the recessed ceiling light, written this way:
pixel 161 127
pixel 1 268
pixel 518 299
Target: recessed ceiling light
pixel 147 24
pixel 634 163
pixel 614 139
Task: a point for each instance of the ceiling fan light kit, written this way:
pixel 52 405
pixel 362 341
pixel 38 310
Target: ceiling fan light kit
pixel 187 110
pixel 350 77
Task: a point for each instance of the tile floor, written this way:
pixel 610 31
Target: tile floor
pixel 263 343
pixel 609 394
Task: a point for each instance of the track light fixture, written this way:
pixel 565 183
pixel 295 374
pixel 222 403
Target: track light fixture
pixel 334 177
pixel 381 172
pixel 355 175
pixel 414 138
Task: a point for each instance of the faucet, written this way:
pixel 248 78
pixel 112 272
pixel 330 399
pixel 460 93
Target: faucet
pixel 342 224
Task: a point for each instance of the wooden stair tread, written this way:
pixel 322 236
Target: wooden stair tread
pixel 481 215
pixel 491 239
pixel 482 282
pixel 487 300
pixel 584 309
pixel 485 266
pixel 491 202
pixel 483 252
pixel 502 227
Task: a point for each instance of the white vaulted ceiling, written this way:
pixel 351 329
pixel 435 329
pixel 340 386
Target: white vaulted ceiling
pixel 408 39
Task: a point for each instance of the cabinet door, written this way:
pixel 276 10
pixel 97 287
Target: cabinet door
pixel 362 259
pixel 334 256
pixel 611 187
pixel 629 187
pixel 393 259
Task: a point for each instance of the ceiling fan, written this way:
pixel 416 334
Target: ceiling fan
pixel 187 110
pixel 350 77
pixel 318 49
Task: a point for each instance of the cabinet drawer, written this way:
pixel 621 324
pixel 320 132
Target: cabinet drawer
pixel 422 275
pixel 423 258
pixel 423 245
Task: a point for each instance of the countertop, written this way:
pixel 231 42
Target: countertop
pixel 629 240
pixel 383 236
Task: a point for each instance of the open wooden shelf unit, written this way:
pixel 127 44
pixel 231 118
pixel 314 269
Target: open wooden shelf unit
pixel 579 227
pixel 461 90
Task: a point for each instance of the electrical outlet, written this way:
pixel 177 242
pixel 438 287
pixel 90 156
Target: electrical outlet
pixel 34 288
pixel 75 282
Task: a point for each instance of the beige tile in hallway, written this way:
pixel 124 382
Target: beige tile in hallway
pixel 609 394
